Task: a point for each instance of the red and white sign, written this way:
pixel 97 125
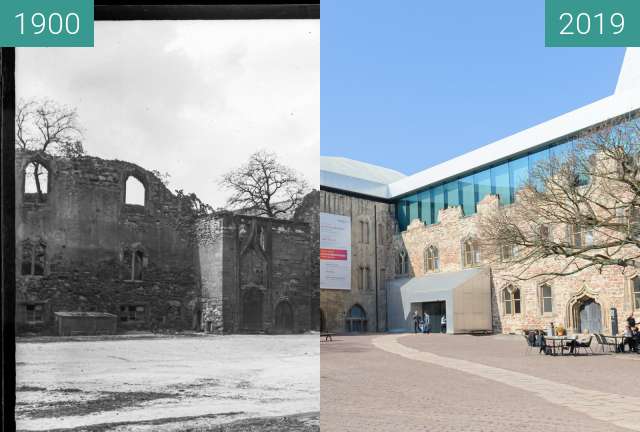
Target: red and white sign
pixel 335 251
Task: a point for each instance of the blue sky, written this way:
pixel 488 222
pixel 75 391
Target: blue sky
pixel 410 84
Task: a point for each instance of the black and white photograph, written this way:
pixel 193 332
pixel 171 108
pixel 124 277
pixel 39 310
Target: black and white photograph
pixel 167 228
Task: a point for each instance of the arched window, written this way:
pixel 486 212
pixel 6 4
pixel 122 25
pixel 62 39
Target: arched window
pixel 546 299
pixel 33 258
pixel 356 319
pixel 364 278
pixel 36 182
pixel 511 300
pixel 364 232
pixel 636 292
pixel 134 192
pixel 470 253
pixel 402 266
pixel 431 259
pixel 134 261
pixel 507 252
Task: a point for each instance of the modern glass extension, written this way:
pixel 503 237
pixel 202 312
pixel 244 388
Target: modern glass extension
pixel 503 179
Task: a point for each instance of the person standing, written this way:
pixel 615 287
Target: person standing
pixel 631 321
pixel 416 322
pixel 427 323
pixel 443 324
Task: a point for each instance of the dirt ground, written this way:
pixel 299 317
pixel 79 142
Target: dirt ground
pixel 171 383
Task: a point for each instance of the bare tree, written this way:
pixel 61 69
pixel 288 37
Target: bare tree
pixel 264 186
pixel 47 127
pixel 576 211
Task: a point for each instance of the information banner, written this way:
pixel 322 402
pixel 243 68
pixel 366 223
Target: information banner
pixel 335 251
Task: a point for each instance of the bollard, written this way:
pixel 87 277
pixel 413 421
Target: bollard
pixel 614 321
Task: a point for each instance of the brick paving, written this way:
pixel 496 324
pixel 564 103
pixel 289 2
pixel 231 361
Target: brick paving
pixel 490 386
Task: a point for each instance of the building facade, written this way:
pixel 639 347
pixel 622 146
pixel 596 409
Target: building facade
pixel 433 260
pixel 96 236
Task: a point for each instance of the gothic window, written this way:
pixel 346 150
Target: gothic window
pixel 636 292
pixel 471 253
pixel 581 236
pixel 507 252
pixel 364 232
pixel 364 278
pixel 33 258
pixel 36 182
pixel 546 299
pixel 34 312
pixel 134 192
pixel 134 260
pixel 544 232
pixel 511 300
pixel 431 259
pixel 402 266
pixel 132 313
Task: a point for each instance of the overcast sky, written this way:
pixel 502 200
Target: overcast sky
pixel 191 98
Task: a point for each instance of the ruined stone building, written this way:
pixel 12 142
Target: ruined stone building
pixel 415 240
pixel 98 236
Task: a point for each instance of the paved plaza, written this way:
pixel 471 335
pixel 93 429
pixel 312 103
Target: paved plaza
pixel 205 382
pixel 473 383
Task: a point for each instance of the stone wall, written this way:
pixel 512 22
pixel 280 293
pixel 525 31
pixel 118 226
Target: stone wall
pixel 372 230
pixel 89 235
pixel 309 212
pixel 261 276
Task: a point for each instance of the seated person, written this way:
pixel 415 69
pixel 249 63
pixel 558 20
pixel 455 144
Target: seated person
pixel 581 341
pixel 628 340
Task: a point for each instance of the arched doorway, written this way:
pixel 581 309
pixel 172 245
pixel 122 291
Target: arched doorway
pixel 323 321
pixel 356 319
pixel 284 317
pixel 252 310
pixel 590 317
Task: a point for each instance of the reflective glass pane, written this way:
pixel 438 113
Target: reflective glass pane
pixel 468 195
pixel 482 182
pixel 438 201
pixel 519 175
pixel 425 200
pixel 414 210
pixel 402 211
pixel 500 183
pixel 452 197
pixel 536 161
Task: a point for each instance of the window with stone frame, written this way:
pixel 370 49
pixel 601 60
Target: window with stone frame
pixel 546 299
pixel 511 300
pixel 34 312
pixel 135 191
pixel 132 313
pixel 544 232
pixel 470 253
pixel 134 261
pixel 364 278
pixel 402 266
pixel 635 287
pixel 431 259
pixel 380 234
pixel 364 232
pixel 36 182
pixel 580 236
pixel 33 258
pixel 633 219
pixel 507 252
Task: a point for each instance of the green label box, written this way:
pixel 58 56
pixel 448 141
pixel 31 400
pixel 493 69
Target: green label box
pixel 46 23
pixel 592 23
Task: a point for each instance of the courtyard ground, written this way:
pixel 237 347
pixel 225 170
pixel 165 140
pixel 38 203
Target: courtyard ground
pixel 169 383
pixel 388 382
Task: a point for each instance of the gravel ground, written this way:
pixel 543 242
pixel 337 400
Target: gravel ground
pixel 169 383
pixel 365 388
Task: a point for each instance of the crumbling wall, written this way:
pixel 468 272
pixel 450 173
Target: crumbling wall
pixel 89 233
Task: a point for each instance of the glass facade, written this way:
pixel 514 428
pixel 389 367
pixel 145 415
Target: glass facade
pixel 502 179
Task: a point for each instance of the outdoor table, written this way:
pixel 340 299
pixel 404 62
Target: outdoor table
pixel 617 338
pixel 558 342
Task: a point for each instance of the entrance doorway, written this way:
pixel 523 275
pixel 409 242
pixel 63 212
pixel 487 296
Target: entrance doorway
pixel 284 317
pixel 590 317
pixel 357 319
pixel 436 311
pixel 252 310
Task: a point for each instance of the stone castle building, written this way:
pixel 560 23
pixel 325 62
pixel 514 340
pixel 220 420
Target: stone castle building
pixel 415 240
pixel 107 237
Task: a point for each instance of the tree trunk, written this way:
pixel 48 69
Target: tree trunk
pixel 36 174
